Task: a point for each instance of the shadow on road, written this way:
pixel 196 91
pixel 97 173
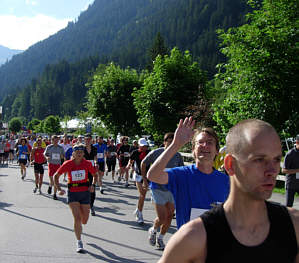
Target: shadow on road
pixel 84 234
pixel 111 257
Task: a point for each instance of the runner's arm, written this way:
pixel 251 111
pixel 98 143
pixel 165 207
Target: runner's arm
pixel 290 171
pixel 56 181
pixel 187 245
pixel 32 155
pixel 183 134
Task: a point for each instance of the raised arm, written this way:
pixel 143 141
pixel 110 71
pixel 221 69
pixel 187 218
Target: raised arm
pixel 183 134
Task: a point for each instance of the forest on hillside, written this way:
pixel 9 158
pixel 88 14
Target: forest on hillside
pixel 123 31
pixel 257 79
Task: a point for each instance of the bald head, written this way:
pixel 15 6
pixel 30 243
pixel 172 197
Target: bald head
pixel 240 135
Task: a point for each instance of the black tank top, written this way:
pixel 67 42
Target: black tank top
pixel 279 246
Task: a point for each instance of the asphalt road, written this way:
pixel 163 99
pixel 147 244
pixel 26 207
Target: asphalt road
pixel 35 228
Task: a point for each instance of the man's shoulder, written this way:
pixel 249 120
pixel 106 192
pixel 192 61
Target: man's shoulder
pixel 190 238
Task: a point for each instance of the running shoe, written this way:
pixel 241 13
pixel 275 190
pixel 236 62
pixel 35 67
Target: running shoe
pixel 119 178
pixel 49 190
pixel 152 235
pixel 55 197
pixel 40 191
pixel 101 190
pixel 23 176
pixel 160 244
pixel 126 184
pixel 34 190
pixel 139 217
pixel 92 212
pixel 79 246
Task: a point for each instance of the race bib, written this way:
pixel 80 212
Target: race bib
pixel 100 155
pixel 126 154
pixel 23 156
pixel 78 175
pixel 297 175
pixel 197 212
pixel 55 156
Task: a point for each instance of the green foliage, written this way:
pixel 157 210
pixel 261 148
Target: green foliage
pixel 123 31
pixel 15 124
pixel 109 98
pixel 261 77
pixel 33 124
pixel 51 125
pixel 167 92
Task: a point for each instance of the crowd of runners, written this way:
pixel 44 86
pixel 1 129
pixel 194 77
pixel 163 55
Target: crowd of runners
pixel 207 202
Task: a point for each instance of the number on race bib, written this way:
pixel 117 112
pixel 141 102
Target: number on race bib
pixel 100 155
pixel 55 156
pixel 78 175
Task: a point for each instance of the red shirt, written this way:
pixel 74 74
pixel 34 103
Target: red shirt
pixel 77 173
pixel 39 155
pixel 7 147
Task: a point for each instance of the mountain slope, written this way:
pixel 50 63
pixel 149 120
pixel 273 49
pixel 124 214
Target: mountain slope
pixel 123 31
pixel 6 54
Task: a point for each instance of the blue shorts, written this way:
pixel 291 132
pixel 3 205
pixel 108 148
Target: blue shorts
pixel 81 197
pixel 160 197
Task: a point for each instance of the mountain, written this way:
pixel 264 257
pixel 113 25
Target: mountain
pixel 6 54
pixel 124 30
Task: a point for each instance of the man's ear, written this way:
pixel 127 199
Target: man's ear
pixel 228 164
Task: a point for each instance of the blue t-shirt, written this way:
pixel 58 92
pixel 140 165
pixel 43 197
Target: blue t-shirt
pixel 21 150
pixel 101 149
pixel 68 153
pixel 194 189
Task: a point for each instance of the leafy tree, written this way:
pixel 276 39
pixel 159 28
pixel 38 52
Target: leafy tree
pixel 167 92
pixel 15 125
pixel 110 99
pixel 51 125
pixel 261 76
pixel 32 125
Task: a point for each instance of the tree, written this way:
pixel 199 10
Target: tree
pixel 51 125
pixel 110 99
pixel 33 124
pixel 158 48
pixel 15 125
pixel 167 92
pixel 261 76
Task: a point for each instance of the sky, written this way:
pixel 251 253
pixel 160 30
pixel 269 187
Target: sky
pixel 25 22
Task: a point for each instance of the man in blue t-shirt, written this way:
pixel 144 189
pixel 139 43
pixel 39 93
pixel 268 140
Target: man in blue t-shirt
pixel 195 188
pixel 101 152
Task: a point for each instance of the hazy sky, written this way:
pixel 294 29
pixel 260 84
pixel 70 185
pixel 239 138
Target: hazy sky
pixel 25 22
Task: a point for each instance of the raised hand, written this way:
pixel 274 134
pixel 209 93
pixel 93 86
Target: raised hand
pixel 184 131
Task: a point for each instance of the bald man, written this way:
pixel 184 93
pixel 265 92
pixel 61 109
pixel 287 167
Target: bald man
pixel 246 228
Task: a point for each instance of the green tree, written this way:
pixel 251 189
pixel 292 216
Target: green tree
pixel 261 76
pixel 51 125
pixel 159 48
pixel 110 99
pixel 15 124
pixel 167 92
pixel 32 125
